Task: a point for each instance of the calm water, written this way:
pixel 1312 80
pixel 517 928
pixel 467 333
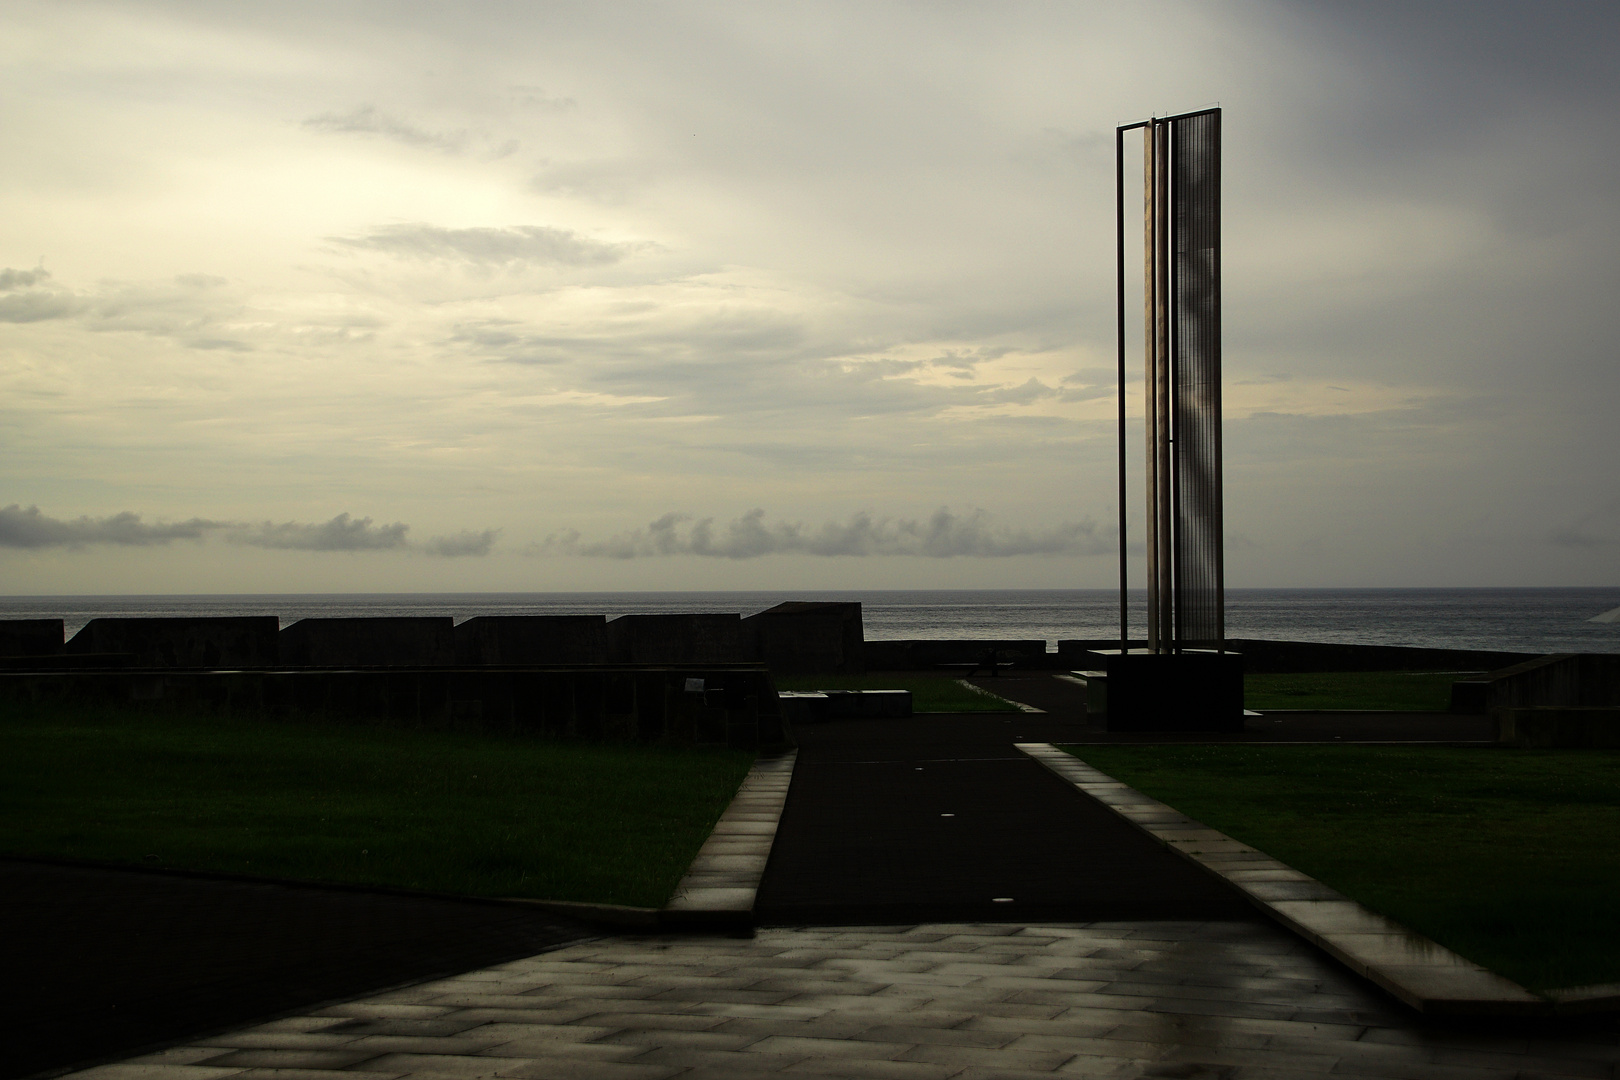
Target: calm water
pixel 1528 620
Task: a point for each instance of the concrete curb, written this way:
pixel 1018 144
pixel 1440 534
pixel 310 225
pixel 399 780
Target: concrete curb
pixel 719 888
pixel 1421 973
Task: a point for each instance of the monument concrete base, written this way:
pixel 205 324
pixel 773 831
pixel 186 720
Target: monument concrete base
pixel 1185 691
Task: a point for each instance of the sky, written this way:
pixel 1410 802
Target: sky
pixel 352 297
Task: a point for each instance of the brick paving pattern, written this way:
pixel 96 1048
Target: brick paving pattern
pixel 930 1002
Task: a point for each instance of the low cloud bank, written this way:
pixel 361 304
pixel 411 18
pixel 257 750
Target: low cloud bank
pixel 462 543
pixel 943 535
pixel 30 529
pixel 342 533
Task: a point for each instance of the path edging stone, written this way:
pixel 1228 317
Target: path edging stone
pixel 720 886
pixel 1421 973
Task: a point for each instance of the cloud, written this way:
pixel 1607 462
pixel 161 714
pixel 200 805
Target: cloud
pixel 943 535
pixel 342 533
pixel 465 542
pixel 534 244
pixel 366 120
pixel 23 279
pixel 30 529
pixel 20 528
pixel 33 303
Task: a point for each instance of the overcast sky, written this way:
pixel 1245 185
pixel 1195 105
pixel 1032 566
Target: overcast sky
pixel 509 296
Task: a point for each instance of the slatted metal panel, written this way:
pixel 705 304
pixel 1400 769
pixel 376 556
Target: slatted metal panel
pixel 1195 362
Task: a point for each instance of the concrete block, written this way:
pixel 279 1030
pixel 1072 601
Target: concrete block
pixel 808 638
pixel 676 639
pixel 224 642
pixel 426 641
pixel 540 640
pixel 1189 691
pixel 868 704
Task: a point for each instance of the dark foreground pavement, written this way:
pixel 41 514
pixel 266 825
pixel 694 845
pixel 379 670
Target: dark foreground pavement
pixel 939 817
pixel 101 963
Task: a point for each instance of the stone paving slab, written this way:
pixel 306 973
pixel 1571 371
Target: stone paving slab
pixel 720 886
pixel 1418 971
pixel 923 1002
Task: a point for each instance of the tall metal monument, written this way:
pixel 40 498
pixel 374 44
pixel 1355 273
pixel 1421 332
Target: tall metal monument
pixel 1181 290
pixel 1186 680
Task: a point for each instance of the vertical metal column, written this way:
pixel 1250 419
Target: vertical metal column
pixel 1182 373
pixel 1156 332
pixel 1119 385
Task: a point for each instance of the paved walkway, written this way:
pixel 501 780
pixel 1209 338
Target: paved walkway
pixel 924 822
pixel 941 817
pixel 986 1002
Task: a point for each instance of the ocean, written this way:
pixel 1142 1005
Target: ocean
pixel 1522 620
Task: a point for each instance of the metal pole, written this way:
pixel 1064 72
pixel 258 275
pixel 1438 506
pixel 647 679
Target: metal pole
pixel 1150 338
pixel 1119 334
pixel 1164 537
pixel 1174 227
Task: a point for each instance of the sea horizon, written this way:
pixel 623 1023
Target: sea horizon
pixel 1538 619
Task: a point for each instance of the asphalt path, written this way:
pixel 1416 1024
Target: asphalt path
pixel 938 817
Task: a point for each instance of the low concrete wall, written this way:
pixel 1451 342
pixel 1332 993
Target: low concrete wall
pixel 1559 726
pixel 804 638
pixel 532 639
pixel 1286 657
pixel 425 641
pixel 1560 679
pixel 732 705
pixel 922 654
pixel 227 641
pixel 30 637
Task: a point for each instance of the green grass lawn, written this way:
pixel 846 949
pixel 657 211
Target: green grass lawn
pixel 361 805
pixel 1406 691
pixel 929 693
pixel 1509 857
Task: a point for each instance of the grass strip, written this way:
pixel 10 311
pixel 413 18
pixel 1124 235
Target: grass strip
pixel 929 693
pixel 1404 691
pixel 1508 857
pixel 444 812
